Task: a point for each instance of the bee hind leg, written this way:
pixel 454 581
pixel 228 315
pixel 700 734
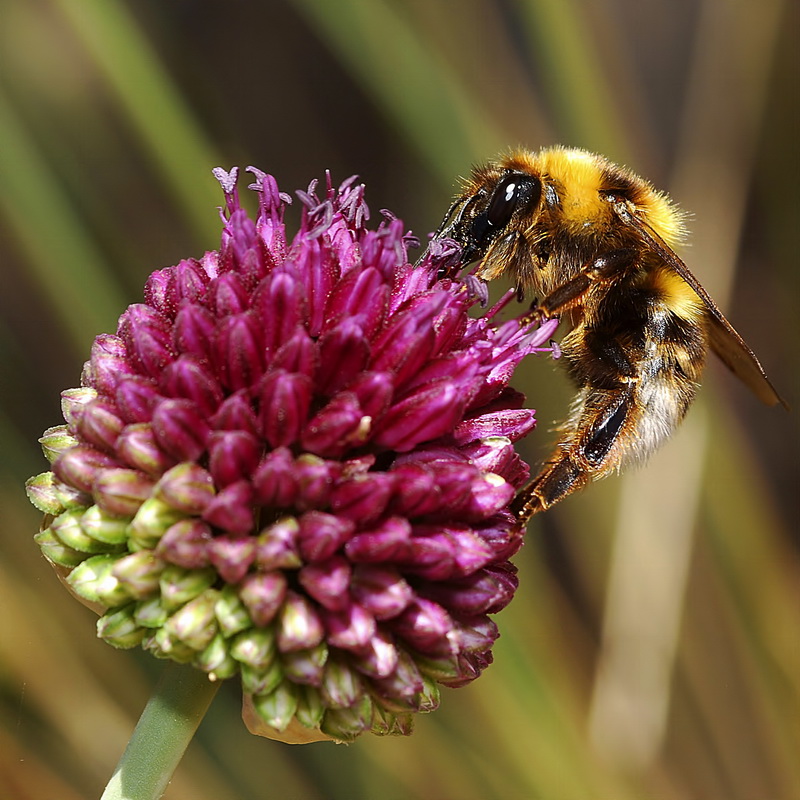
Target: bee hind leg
pixel 592 447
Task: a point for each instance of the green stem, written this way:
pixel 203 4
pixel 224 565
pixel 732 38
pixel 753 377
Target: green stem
pixel 162 734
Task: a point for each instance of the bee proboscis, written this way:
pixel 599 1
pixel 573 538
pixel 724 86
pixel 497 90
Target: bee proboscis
pixel 593 242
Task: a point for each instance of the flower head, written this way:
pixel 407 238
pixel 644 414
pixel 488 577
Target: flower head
pixel 293 462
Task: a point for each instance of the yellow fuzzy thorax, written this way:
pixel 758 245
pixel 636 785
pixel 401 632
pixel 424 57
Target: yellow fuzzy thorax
pixel 580 178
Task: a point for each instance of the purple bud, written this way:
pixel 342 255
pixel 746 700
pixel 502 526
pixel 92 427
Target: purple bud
pixel 263 594
pixel 121 491
pixel 379 658
pixel 193 332
pixel 305 666
pixel 228 296
pixel 327 582
pixel 232 456
pixel 381 590
pixel 484 592
pixel 343 354
pixel 360 296
pixel 136 397
pixel 349 628
pixel 315 479
pixel 239 351
pixel 476 634
pixel 374 391
pixel 190 280
pixel 496 454
pixel 426 627
pixel 363 498
pixel 425 415
pixel 190 379
pixel 235 414
pixel 415 491
pixel 280 302
pixel 180 430
pixel 274 482
pixel 147 337
pixel 321 535
pixel 298 354
pixel 79 466
pixel 231 509
pixel 430 556
pixel 388 541
pixel 231 556
pixel 186 487
pixel 137 447
pixel 99 424
pixel 405 345
pixel 277 547
pixel 337 426
pixel 285 401
pixel 109 362
pixel 159 292
pixel 490 494
pixel 298 626
pixel 404 684
pixel 186 544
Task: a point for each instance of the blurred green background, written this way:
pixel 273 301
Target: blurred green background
pixel 653 650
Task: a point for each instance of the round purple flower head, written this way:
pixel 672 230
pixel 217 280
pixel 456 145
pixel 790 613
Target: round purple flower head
pixel 293 462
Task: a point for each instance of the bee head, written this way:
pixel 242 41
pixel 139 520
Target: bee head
pixel 495 204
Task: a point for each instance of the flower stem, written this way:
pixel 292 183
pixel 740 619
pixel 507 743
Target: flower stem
pixel 162 734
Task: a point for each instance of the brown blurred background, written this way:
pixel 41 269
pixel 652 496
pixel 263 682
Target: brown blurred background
pixel 653 650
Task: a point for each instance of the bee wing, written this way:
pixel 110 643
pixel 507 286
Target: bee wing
pixel 732 350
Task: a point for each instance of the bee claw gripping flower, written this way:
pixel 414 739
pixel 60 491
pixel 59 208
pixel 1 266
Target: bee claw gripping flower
pixel 293 462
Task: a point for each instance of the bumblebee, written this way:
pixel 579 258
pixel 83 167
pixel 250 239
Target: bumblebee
pixel 594 243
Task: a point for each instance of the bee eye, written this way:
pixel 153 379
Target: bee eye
pixel 509 193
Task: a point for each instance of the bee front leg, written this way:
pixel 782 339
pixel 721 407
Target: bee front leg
pixel 593 445
pixel 571 293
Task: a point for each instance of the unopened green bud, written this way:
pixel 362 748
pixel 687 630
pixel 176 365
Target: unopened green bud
pixel 151 522
pixel 216 660
pixel 306 666
pixel 278 707
pixel 56 552
pixel 254 647
pixel 195 624
pixel 179 585
pixel 310 708
pixel 55 441
pixel 140 572
pixel 231 612
pixel 94 580
pixel 67 527
pixel 120 629
pixel 41 492
pixel 104 527
pixel 346 724
pixel 150 613
pixel 261 680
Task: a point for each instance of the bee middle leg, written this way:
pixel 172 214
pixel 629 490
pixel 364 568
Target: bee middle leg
pixel 593 445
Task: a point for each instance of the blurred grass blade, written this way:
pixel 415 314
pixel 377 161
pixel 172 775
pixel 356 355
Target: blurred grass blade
pixel 65 263
pixel 157 112
pixel 416 90
pixel 576 80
